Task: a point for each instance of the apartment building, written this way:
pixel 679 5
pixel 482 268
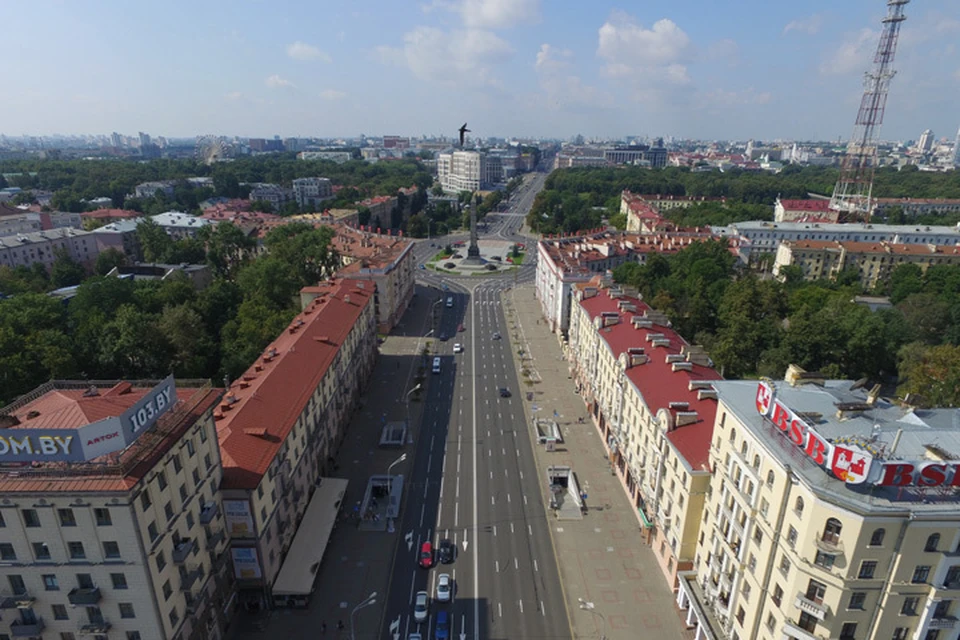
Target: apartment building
pixel 279 426
pixel 334 156
pixel 386 261
pixel 25 249
pixel 468 170
pixel 310 192
pixel 275 195
pixel 14 221
pixel 651 396
pixel 832 513
pixel 563 262
pixel 146 190
pixel 917 206
pixel 873 260
pixel 815 210
pixel 110 523
pixel 381 210
pixel 180 225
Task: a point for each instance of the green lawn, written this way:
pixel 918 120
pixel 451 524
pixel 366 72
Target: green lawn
pixel 519 259
pixel 443 255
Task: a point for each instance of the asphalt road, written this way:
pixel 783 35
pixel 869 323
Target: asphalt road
pixel 473 480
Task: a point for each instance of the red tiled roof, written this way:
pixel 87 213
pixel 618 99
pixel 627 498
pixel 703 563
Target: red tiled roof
pixel 805 205
pixel 260 409
pixel 656 380
pixel 69 409
pixel 874 247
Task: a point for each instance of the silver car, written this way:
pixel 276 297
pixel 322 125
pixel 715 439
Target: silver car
pixel 444 587
pixel 421 605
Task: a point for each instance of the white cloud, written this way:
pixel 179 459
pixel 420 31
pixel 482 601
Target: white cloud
pixel 724 98
pixel 499 14
pixel 853 54
pixel 810 26
pixel 234 95
pixel 648 56
pixel 332 94
pixel 303 51
pixel 460 57
pixel 550 58
pixel 562 89
pixel 276 82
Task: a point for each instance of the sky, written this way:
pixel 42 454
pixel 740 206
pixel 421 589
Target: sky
pixel 705 69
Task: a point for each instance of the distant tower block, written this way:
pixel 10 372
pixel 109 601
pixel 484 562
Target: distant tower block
pixel 852 195
pixel 956 151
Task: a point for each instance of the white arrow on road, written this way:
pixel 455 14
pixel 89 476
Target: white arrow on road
pixel 409 539
pixel 395 628
pixel 464 540
pixel 463 625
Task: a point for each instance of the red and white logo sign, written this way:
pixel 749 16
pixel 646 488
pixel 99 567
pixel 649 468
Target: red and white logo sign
pixel 851 465
pixel 764 398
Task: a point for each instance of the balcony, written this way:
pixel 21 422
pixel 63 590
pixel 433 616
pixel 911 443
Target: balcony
pixel 790 630
pixel 183 550
pixel 16 600
pixel 84 597
pixel 209 512
pixel 817 609
pixel 946 622
pixel 951 584
pixel 830 544
pixel 21 629
pixel 94 628
pixel 189 578
pixel 214 539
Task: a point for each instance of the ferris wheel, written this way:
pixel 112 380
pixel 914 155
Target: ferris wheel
pixel 212 149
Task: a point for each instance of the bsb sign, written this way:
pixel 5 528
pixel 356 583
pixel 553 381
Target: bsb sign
pixel 851 464
pixel 93 440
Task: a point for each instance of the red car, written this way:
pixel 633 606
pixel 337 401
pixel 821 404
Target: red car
pixel 426 555
pixel 460 328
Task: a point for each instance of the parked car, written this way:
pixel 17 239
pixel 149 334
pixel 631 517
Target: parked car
pixel 443 625
pixel 445 552
pixel 460 328
pixel 421 605
pixel 426 555
pixel 444 587
pixel 443 337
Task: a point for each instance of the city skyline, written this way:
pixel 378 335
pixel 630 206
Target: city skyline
pixel 511 68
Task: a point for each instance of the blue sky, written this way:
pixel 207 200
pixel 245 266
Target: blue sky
pixel 710 69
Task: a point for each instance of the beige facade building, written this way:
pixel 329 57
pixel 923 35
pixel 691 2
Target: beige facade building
pixel 279 426
pixel 25 249
pixel 652 399
pixel 873 260
pixel 832 513
pixel 111 526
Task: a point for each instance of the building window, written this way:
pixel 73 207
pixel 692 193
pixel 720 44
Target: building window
pixel 162 480
pixel 770 478
pixel 757 535
pixel 909 607
pixel 777 596
pixel 196 478
pixel 207 464
pixel 932 634
pixel 7 552
pixel 784 565
pixel 752 563
pixel 161 561
pixel 799 506
pixel 152 531
pixel 111 549
pixel 189 519
pixel 848 631
pixel 133 635
pixel 168 511
pixel 807 622
pixel 190 449
pixel 30 518
pixel 857 600
pixel 942 609
pixel 67 519
pixel 3 522
pixel 901 633
pixel 831 531
pixel 741 614
pixel 85 581
pixel 174 618
pixel 167 590
pixel 953 576
pixel 183 493
pixel 145 500
pixel 126 610
pixel 103 517
pixel 177 465
pixel 119 580
pixel 876 540
pixel 816 591
pixel 867 569
pixel 746 591
pixel 50 582
pixel 824 560
pixel 76 550
pixel 932 542
pixel 920 574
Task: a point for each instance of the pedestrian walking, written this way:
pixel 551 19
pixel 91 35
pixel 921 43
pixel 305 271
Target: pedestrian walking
pixel 339 625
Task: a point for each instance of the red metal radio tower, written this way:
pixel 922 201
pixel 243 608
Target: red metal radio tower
pixel 852 195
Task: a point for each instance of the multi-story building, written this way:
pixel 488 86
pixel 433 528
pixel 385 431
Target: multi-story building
pixel 832 513
pixel 334 156
pixel 563 262
pixel 111 519
pixel 149 189
pixel 917 206
pixel 25 249
pixel 650 395
pixel 873 260
pixel 926 141
pixel 757 237
pixel 568 160
pixel 381 210
pixel 120 235
pixel 387 261
pixel 468 170
pixel 279 426
pixel 663 203
pixel 804 211
pixel 273 194
pixel 14 221
pixel 642 217
pixel 310 192
pixel 180 225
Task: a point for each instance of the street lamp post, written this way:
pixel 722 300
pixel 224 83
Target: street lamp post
pixel 407 402
pixel 371 599
pixel 589 606
pixel 390 490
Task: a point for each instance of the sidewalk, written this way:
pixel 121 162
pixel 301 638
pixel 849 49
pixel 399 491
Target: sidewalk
pixel 357 562
pixel 602 558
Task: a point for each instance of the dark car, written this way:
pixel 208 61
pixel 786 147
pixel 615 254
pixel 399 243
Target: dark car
pixel 504 392
pixel 445 552
pixel 443 337
pixel 496 336
pixel 443 625
pixel 426 555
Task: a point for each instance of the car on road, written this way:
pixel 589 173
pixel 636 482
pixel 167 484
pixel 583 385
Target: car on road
pixel 461 328
pixel 504 392
pixel 426 555
pixel 414 636
pixel 444 587
pixel 421 604
pixel 496 336
pixel 458 348
pixel 423 267
pixel 445 552
pixel 443 626
pixel 443 337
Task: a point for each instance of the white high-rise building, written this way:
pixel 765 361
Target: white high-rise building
pixel 925 144
pixel 467 170
pixel 956 151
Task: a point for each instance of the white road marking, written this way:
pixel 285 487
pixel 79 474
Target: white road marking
pixel 458 488
pixel 508 497
pixel 521 606
pixel 511 527
pixel 422 509
pixel 492 500
pixel 542 610
pixel 521 475
pixel 494 530
pixel 516 564
pixel 499 610
pixel 524 499
pixel 497 562
pixel 429 462
pixel 535 567
pixel 529 530
pixel 425 485
pixel 456 514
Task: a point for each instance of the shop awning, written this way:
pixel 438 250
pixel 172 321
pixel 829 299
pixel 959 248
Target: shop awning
pixel 300 566
pixel 643 518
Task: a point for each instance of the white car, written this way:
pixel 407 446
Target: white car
pixel 458 348
pixel 414 636
pixel 420 606
pixel 444 587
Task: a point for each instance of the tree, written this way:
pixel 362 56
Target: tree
pixel 929 316
pixel 133 346
pixel 109 260
pixel 438 190
pixel 228 247
pixel 270 279
pixel 185 251
pixel 933 373
pixel 257 323
pixel 155 243
pixel 905 280
pixel 20 279
pixel 261 205
pixel 184 329
pixel 65 271
pixel 417 226
pixel 304 248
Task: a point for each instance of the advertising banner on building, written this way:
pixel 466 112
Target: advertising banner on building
pixel 246 566
pixel 239 518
